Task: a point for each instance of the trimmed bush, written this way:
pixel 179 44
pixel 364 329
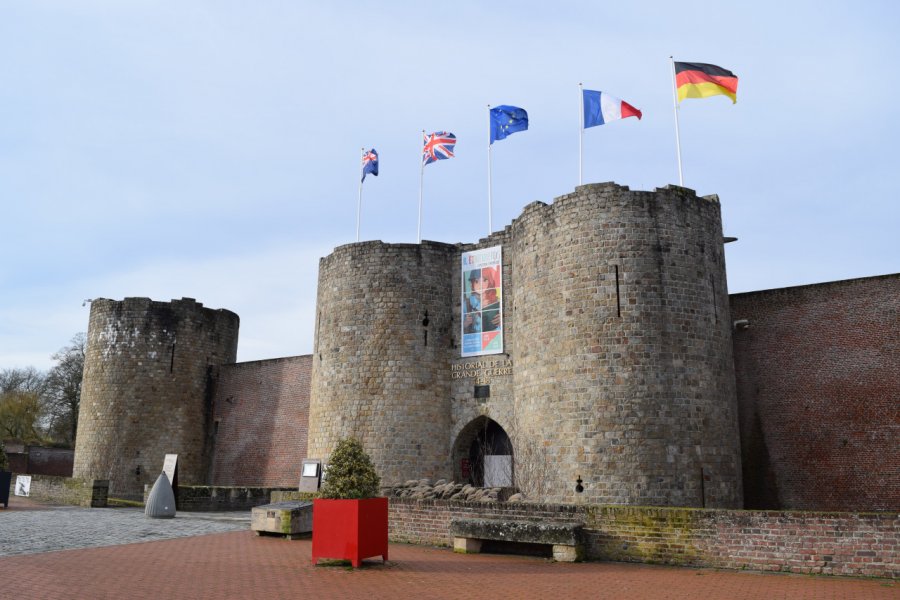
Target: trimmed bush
pixel 4 462
pixel 351 475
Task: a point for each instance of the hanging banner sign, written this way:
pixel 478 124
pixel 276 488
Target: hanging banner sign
pixel 482 308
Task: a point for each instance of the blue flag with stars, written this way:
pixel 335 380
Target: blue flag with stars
pixel 506 120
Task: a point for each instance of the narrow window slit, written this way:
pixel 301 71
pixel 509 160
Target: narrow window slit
pixel 618 294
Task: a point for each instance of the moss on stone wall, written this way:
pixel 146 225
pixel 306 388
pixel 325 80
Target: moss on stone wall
pixel 644 534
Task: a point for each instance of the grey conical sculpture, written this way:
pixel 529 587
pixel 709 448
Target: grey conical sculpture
pixel 161 500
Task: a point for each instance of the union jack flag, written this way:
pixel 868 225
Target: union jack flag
pixel 369 163
pixel 438 146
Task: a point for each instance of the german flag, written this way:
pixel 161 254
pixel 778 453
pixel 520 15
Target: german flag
pixel 700 80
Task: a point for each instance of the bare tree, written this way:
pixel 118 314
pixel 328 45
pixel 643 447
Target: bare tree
pixel 28 379
pixel 531 466
pixel 62 395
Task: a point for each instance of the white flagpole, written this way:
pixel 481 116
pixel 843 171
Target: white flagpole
pixel 581 136
pixel 490 199
pixel 677 135
pixel 359 201
pixel 421 182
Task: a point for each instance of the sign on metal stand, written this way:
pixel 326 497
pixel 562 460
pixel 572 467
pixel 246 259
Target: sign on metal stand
pixel 310 475
pixel 170 468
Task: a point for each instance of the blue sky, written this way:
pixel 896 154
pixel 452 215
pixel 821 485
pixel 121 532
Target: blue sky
pixel 210 149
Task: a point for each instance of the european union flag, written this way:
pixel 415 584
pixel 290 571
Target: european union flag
pixel 506 120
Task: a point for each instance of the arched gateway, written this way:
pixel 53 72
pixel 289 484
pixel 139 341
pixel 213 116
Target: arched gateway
pixel 483 455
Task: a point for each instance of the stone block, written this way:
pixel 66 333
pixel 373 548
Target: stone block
pixel 563 553
pixel 466 545
pixel 290 519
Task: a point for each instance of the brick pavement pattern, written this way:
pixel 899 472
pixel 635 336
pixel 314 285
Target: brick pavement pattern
pixel 238 564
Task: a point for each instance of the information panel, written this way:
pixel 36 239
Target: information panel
pixel 482 308
pixel 170 467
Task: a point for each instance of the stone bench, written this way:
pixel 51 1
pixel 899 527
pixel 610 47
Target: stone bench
pixel 565 538
pixel 290 519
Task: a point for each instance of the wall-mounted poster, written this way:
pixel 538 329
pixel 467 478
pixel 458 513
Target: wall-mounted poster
pixel 482 309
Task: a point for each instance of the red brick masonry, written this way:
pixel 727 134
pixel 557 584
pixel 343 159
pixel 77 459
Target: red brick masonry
pixel 261 422
pixel 819 395
pixel 797 542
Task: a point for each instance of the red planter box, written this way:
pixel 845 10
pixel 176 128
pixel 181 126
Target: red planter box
pixel 350 529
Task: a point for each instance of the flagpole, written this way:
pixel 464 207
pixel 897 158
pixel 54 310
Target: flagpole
pixel 581 136
pixel 421 183
pixel 490 199
pixel 359 201
pixel 677 134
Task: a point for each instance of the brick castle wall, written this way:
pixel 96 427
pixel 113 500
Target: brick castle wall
pixel 819 395
pixel 50 461
pixel 826 543
pixel 261 418
pixel 145 390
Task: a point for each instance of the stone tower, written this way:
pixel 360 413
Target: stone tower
pixel 382 350
pixel 620 336
pixel 616 368
pixel 145 390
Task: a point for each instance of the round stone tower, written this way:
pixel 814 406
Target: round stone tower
pixel 145 390
pixel 619 331
pixel 615 383
pixel 381 355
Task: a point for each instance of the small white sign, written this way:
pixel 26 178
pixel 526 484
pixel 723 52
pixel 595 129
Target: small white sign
pixel 498 470
pixel 23 485
pixel 169 466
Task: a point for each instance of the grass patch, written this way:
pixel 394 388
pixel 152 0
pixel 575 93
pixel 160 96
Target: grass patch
pixel 114 502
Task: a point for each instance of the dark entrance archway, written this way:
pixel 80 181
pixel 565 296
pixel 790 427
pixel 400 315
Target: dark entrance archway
pixel 483 450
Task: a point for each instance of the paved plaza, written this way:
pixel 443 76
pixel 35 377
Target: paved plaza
pixel 67 552
pixel 69 527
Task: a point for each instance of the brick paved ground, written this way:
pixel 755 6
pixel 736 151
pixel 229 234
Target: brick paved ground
pixel 238 564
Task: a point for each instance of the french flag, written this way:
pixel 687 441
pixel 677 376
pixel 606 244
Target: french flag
pixel 601 108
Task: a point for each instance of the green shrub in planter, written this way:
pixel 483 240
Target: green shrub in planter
pixel 4 462
pixel 349 521
pixel 5 477
pixel 351 474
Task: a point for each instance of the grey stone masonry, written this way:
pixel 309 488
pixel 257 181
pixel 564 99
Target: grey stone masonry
pixel 145 390
pixel 565 539
pixel 382 350
pixel 617 325
pixel 617 368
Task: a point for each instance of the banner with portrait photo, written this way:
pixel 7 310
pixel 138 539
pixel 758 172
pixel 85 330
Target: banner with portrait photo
pixel 482 306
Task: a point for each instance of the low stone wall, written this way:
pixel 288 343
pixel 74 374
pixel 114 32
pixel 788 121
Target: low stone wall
pixel 207 498
pixel 428 521
pixel 799 542
pixel 90 493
